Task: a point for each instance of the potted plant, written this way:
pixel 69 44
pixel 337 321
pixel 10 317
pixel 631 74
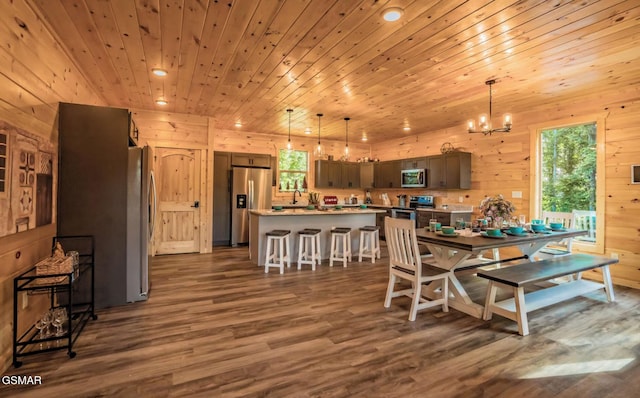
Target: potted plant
pixel 497 208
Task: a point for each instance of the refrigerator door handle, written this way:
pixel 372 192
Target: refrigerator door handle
pixel 154 205
pixel 250 194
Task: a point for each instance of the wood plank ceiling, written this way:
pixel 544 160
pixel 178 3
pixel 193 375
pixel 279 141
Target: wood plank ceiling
pixel 249 60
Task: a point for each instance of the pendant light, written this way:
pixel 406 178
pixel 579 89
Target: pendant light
pixel 484 122
pixel 289 146
pixel 319 152
pixel 346 138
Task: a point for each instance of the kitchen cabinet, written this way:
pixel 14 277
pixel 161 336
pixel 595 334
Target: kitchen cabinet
pixel 443 217
pixel 350 177
pixel 221 198
pixel 415 163
pixel 328 174
pixel 387 174
pixel 274 171
pixel 250 160
pixel 366 175
pixel 380 222
pixel 333 174
pixel 449 171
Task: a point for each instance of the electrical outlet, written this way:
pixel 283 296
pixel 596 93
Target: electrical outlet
pixel 614 255
pixel 460 199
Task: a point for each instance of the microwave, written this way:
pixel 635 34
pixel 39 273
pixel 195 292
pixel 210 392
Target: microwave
pixel 413 178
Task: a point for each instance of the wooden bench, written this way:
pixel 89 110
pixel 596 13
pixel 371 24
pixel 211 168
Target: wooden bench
pixel 518 276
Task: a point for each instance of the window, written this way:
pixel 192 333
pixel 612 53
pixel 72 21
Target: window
pixel 567 165
pixel 292 170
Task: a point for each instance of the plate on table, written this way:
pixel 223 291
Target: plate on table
pixel 491 236
pixel 540 232
pixel 558 229
pixel 453 235
pixel 512 234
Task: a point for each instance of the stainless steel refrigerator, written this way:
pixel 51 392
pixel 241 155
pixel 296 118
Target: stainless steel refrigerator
pixel 141 205
pixel 103 190
pixel 251 189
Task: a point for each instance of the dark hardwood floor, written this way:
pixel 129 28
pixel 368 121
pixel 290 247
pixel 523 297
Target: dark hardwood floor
pixel 217 326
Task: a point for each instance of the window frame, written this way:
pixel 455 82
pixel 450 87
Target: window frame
pixel 279 171
pixel 535 209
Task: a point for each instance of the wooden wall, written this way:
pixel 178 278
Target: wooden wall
pixel 35 74
pixel 501 164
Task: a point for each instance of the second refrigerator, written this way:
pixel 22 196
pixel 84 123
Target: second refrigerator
pixel 251 189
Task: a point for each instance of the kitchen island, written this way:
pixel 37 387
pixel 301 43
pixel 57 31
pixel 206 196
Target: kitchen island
pixel 294 220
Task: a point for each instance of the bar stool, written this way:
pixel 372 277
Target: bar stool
pixel 275 255
pixel 345 235
pixel 369 243
pixel 309 247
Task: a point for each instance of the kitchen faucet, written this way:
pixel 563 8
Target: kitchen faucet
pixel 294 196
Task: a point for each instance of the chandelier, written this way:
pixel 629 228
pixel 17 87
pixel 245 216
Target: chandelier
pixel 484 121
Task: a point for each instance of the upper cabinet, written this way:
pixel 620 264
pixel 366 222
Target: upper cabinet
pixel 328 174
pixel 336 174
pixel 415 163
pixel 449 171
pixel 387 174
pixel 250 160
pixel 366 175
pixel 350 175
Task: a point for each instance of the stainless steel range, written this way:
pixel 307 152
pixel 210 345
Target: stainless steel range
pixel 415 202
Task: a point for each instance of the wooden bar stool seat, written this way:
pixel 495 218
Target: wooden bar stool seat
pixel 369 243
pixel 309 247
pixel 340 246
pixel 278 250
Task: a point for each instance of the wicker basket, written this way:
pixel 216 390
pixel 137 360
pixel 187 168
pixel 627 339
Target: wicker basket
pixel 52 266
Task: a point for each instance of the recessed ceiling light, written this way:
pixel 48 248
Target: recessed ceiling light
pixel 161 102
pixel 238 124
pixel 406 128
pixel 364 138
pixel 392 14
pixel 159 72
pixel 307 130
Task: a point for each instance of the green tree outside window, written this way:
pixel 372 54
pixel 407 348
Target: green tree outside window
pixel 569 168
pixel 293 168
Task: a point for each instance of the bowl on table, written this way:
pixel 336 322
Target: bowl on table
pixel 538 227
pixel 311 207
pixel 277 208
pixel 536 222
pixel 494 232
pixel 448 230
pixel 556 225
pixel 338 207
pixel 516 230
pixel 363 206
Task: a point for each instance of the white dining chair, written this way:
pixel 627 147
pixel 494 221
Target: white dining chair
pixel 585 219
pixel 406 263
pixel 566 218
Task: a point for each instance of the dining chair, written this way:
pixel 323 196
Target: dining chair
pixel 566 218
pixel 406 263
pixel 556 249
pixel 585 219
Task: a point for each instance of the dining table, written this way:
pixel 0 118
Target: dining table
pixel 462 251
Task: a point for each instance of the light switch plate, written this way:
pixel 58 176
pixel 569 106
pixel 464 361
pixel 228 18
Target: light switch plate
pixel 516 194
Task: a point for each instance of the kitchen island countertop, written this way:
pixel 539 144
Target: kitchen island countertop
pixel 295 220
